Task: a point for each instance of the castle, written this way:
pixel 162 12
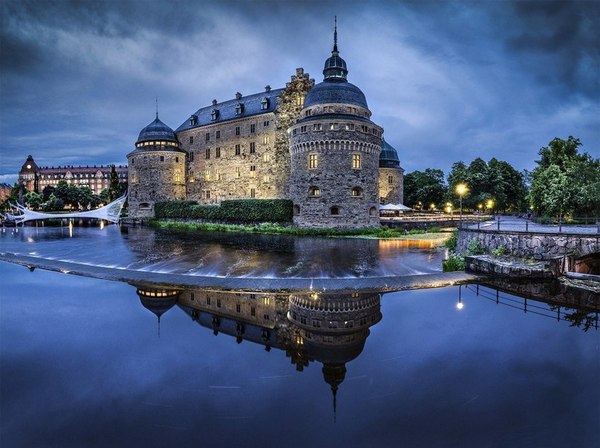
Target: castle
pixel 313 144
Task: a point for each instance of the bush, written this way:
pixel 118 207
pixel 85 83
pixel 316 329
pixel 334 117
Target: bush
pixel 475 247
pixel 454 262
pixel 237 211
pixel 499 251
pixel 452 241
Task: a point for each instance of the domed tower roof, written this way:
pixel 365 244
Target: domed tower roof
pixel 335 87
pixel 157 131
pixel 388 158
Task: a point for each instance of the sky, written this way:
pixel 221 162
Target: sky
pixel 447 80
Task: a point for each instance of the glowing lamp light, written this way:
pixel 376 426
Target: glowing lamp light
pixel 461 189
pixel 460 305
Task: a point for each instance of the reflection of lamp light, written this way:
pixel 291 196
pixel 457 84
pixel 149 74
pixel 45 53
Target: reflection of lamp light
pixel 460 305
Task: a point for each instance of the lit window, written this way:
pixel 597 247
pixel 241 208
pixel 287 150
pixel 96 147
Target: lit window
pixel 312 161
pixel 252 170
pixel 206 174
pixel 266 178
pixel 177 176
pixel 355 161
pixel 300 100
pixel 357 192
pixel 314 191
pixel 266 140
pixel 217 174
pixel 317 127
pixel 266 157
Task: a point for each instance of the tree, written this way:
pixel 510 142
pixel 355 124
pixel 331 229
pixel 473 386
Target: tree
pixel 114 190
pixel 422 188
pixel 565 182
pixel 33 200
pixel 53 204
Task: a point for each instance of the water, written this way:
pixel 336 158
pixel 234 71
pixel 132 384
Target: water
pixel 86 362
pixel 229 255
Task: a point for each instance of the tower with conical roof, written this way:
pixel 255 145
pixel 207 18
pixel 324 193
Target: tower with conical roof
pixel 391 176
pixel 156 169
pixel 334 150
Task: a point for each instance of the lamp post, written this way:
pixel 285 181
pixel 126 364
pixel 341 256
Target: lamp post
pixel 461 190
pixel 490 205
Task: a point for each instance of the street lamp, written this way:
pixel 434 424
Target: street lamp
pixel 490 205
pixel 461 190
pixel 432 206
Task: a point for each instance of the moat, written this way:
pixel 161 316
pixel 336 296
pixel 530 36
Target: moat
pixel 89 362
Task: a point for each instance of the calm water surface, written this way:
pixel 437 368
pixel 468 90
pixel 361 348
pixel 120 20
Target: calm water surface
pixel 86 362
pixel 232 255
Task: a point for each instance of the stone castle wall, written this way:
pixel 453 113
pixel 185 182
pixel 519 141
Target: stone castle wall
pixel 391 186
pixel 154 176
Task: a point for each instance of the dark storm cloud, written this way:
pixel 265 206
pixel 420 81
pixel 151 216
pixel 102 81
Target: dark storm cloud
pixel 447 80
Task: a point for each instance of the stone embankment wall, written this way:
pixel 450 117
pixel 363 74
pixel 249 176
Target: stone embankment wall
pixel 540 246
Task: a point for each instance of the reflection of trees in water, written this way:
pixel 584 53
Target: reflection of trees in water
pixel 578 318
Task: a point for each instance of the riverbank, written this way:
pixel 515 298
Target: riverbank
pixel 434 233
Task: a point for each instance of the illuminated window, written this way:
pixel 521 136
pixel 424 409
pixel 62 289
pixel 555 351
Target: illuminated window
pixel 206 174
pixel 357 192
pixel 252 170
pixel 252 147
pixel 300 100
pixel 317 127
pixel 217 174
pixel 312 161
pixel 266 178
pixel 177 176
pixel 355 161
pixel 266 157
pixel 238 150
pixel 314 192
pixel 266 139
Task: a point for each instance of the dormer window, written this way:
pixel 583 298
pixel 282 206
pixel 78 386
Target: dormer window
pixel 239 109
pixel 214 114
pixel 264 103
pixel 193 120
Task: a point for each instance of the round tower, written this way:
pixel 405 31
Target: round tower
pixel 335 150
pixel 156 169
pixel 391 176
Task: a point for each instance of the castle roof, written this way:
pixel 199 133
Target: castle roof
pixel 156 131
pixel 388 158
pixel 239 107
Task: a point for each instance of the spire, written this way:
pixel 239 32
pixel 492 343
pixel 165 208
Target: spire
pixel 335 48
pixel 335 67
pixel 157 108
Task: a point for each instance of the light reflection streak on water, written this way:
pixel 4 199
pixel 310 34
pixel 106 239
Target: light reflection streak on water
pixel 226 255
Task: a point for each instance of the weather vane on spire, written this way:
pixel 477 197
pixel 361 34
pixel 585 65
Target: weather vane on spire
pixel 335 34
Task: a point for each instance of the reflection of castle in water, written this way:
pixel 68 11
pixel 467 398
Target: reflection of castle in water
pixel 308 327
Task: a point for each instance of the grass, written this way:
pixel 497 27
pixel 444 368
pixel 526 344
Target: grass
pixel 277 229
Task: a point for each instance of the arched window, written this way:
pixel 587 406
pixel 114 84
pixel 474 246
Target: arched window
pixel 296 210
pixel 314 191
pixel 335 210
pixel 357 192
pixel 373 211
pixel 144 205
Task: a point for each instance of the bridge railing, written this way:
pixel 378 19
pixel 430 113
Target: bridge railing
pixel 584 225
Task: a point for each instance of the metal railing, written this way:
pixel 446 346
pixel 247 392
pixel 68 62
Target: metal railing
pixel 515 224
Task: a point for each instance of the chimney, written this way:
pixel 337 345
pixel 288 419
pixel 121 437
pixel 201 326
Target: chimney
pixel 238 96
pixel 299 71
pixel 214 102
pixel 267 88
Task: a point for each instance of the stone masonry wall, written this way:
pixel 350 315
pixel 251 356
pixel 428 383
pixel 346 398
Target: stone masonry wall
pixel 541 246
pixel 391 186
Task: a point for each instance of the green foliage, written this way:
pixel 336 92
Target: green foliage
pixel 33 200
pixel 114 190
pixel 565 182
pixel 499 251
pixel 237 211
pixel 454 262
pixel 496 180
pixel 475 247
pixel 424 187
pixel 53 204
pixel 452 241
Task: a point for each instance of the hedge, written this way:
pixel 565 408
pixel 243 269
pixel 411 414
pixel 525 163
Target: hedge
pixel 238 211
